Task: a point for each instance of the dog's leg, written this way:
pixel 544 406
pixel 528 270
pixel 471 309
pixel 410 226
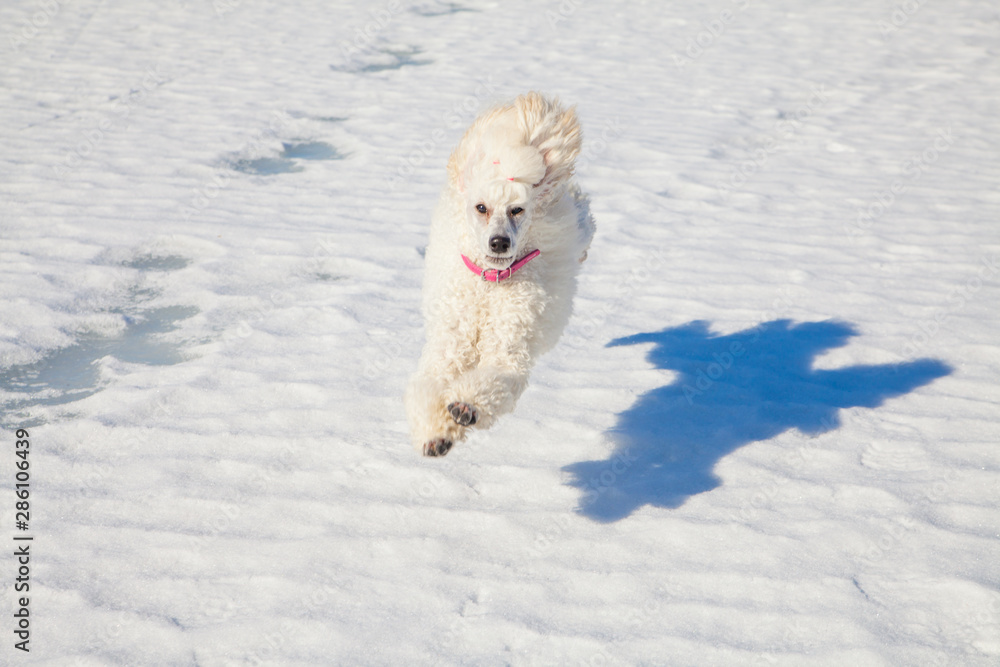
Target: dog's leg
pixel 463 413
pixel 432 425
pixel 485 393
pixel 437 447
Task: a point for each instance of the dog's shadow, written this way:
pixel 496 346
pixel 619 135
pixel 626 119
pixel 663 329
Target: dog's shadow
pixel 731 390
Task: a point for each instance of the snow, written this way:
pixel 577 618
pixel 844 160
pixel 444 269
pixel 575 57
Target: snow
pixel 211 239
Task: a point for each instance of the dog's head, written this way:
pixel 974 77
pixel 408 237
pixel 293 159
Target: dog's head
pixel 512 163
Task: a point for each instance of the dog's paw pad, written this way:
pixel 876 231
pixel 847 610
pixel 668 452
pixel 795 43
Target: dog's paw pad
pixel 463 413
pixel 437 447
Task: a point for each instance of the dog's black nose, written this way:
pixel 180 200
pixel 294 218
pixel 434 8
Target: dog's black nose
pixel 500 244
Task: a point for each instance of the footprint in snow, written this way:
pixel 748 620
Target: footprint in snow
pixel 288 160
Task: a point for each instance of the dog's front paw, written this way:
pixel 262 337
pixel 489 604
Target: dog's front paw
pixel 463 413
pixel 437 447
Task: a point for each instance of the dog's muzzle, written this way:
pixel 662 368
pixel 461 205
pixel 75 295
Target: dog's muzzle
pixel 496 275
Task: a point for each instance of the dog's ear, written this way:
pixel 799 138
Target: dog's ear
pixel 459 161
pixel 532 120
pixel 470 149
pixel 461 157
pixel 555 132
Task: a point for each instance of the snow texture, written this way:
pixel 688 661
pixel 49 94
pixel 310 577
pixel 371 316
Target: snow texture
pixel 768 436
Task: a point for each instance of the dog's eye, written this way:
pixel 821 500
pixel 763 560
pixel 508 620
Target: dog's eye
pixel 517 210
pixel 481 208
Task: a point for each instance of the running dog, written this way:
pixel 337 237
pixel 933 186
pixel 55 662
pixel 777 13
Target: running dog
pixel 506 243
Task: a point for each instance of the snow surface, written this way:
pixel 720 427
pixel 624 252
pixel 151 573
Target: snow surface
pixel 768 436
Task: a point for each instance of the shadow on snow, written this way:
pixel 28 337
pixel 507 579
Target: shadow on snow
pixel 731 390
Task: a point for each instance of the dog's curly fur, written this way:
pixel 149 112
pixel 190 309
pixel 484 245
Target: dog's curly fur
pixel 509 192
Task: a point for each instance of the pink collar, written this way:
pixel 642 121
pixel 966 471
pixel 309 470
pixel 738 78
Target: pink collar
pixel 496 275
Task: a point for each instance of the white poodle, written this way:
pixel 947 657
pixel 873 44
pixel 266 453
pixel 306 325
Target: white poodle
pixel 506 242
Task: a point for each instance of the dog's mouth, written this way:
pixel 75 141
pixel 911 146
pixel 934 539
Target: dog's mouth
pixel 500 262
